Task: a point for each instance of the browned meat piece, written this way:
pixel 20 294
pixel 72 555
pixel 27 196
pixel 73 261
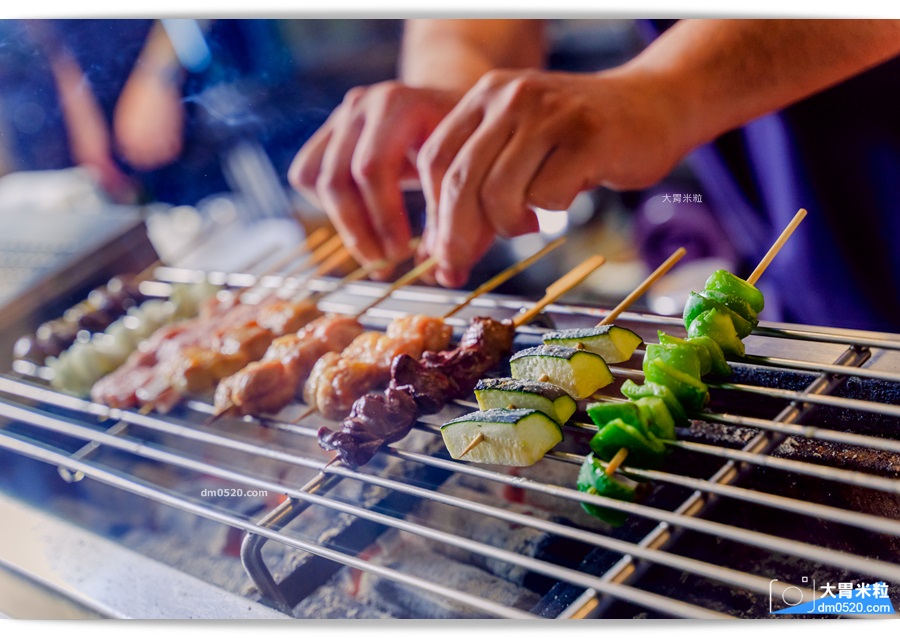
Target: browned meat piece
pixel 228 324
pixel 283 316
pixel 432 332
pixel 261 387
pixel 344 383
pixel 198 370
pixel 336 382
pixel 285 367
pixel 322 374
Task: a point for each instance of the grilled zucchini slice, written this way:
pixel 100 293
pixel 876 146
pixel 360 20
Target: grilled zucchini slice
pixel 614 343
pixel 534 395
pixel 578 372
pixel 510 437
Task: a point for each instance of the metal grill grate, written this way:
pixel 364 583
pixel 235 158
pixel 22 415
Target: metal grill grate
pixel 804 435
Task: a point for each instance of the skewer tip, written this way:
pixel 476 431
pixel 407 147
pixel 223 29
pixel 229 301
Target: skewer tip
pixel 479 438
pixel 334 459
pixel 307 412
pixel 221 414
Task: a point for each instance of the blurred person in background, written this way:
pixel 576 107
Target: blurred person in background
pixel 59 82
pixel 771 115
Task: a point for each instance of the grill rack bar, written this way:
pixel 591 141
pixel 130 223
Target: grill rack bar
pixel 150 451
pixel 142 488
pixel 127 417
pixel 147 420
pixel 505 304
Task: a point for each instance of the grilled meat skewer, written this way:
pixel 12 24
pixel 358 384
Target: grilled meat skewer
pixel 418 387
pixel 267 385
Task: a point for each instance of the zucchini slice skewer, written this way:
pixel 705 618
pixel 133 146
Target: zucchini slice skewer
pixel 575 361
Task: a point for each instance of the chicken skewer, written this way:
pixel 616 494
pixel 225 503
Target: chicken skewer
pixel 270 384
pixel 145 368
pixel 289 355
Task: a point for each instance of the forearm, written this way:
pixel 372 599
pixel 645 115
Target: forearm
pixel 720 74
pixel 454 54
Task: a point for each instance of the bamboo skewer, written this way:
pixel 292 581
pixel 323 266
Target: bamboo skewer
pixel 560 287
pixel 568 282
pixel 473 444
pixel 553 292
pixel 616 461
pixel 505 276
pixel 356 275
pixel 776 247
pixel 320 255
pixel 405 280
pixel 311 244
pixel 577 276
pixel 635 294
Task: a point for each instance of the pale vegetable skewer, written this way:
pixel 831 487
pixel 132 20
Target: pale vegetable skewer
pixel 610 317
pixel 553 292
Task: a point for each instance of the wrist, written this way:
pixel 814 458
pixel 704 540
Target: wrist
pixel 661 108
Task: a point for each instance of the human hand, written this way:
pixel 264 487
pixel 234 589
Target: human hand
pixel 523 139
pixel 354 166
pixel 148 121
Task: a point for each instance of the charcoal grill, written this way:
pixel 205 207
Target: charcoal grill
pixel 789 480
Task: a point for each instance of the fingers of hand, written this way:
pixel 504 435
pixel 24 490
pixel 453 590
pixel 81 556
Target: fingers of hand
pixel 559 180
pixel 338 192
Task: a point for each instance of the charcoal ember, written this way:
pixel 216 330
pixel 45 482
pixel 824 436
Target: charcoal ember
pixel 411 555
pixel 524 540
pixel 331 601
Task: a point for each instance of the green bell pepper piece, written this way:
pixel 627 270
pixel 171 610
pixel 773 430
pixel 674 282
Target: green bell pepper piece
pixel 735 304
pixel 634 391
pixel 603 412
pixel 644 449
pixel 683 357
pixel 730 284
pixel 593 479
pixel 720 328
pixel 657 416
pixel 703 353
pixel 698 303
pixel 691 392
pixel 717 362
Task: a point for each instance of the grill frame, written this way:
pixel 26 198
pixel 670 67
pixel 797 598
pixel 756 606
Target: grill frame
pixel 600 591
